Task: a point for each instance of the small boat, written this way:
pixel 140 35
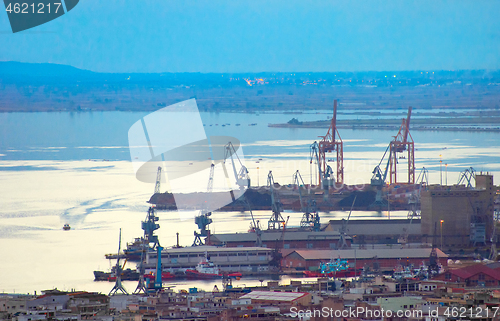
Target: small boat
pixel 204 270
pixel 66 227
pixel 164 276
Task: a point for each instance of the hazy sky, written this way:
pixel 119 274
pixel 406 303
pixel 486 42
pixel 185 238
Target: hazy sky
pixel 256 35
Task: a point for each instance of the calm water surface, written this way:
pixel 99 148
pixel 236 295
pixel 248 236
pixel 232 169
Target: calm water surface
pixel 75 168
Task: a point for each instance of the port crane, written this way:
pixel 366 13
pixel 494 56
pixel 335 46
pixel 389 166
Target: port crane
pixel 203 220
pixel 255 225
pixel 276 221
pixel 310 219
pixel 326 176
pixel 158 180
pixel 342 244
pixel 402 142
pixel 243 181
pixel 466 176
pixel 378 181
pixel 414 202
pixel 329 143
pixel 414 199
pixel 118 270
pixel 242 178
pixel 277 255
pixel 149 225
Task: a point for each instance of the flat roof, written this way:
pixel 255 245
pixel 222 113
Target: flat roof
pixel 274 296
pixel 273 236
pixel 379 227
pixel 351 254
pixel 209 248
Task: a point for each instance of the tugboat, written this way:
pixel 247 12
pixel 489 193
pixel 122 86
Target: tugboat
pixel 66 227
pixel 164 276
pixel 204 270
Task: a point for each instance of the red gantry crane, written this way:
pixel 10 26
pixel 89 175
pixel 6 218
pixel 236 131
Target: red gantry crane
pixel 402 142
pixel 329 143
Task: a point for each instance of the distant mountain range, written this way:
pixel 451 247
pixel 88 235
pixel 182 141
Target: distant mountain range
pixel 11 71
pixel 30 87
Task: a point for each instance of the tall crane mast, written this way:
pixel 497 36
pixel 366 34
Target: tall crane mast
pixel 254 225
pixel 242 178
pixel 329 143
pixel 276 221
pixel 342 244
pixel 203 220
pixel 118 270
pixel 378 180
pixel 310 219
pixel 314 155
pixel 158 181
pixel 402 142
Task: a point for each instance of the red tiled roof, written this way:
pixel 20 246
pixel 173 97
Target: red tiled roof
pixel 469 271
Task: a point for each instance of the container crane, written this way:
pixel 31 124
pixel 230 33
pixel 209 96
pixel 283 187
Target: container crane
pixel 203 220
pixel 118 270
pixel 402 142
pixel 326 176
pixel 329 143
pixel 243 181
pixel 277 256
pixel 414 202
pixel 254 225
pixel 342 244
pixel 242 178
pixel 310 219
pixel 414 199
pixel 466 176
pixel 378 181
pixel 276 221
pixel 158 181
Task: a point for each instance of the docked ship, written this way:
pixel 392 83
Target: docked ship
pixel 204 270
pixel 126 275
pixel 335 268
pixel 230 261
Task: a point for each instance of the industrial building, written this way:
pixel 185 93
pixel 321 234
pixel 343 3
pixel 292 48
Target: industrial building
pixel 459 215
pixel 472 275
pixel 378 231
pixel 386 258
pixel 289 239
pixel 250 259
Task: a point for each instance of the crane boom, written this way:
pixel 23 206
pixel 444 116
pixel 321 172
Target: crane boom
pixel 314 155
pixel 276 219
pixel 407 127
pixel 297 179
pixel 203 220
pixel 158 180
pixel 242 178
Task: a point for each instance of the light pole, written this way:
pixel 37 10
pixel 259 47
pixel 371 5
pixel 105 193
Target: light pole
pixel 440 170
pixel 258 174
pixel 442 234
pixel 446 175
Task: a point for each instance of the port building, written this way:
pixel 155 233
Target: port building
pixel 376 231
pixel 459 215
pixel 248 260
pixel 290 239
